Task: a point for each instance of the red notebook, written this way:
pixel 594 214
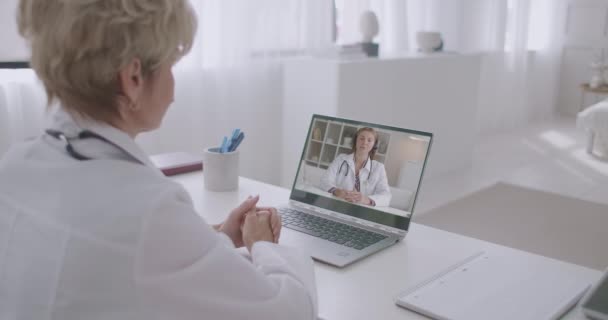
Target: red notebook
pixel 177 162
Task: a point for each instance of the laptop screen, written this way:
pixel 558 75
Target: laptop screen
pixel 365 170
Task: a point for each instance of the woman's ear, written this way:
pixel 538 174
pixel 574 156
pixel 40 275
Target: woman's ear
pixel 131 85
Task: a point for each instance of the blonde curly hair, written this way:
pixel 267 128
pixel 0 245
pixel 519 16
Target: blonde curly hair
pixel 79 46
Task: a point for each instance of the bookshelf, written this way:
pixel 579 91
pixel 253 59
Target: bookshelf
pixel 328 139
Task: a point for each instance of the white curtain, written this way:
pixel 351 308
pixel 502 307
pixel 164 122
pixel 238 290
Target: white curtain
pixel 13 47
pixel 519 64
pixel 22 106
pixel 545 27
pixel 503 90
pixel 520 74
pixel 233 78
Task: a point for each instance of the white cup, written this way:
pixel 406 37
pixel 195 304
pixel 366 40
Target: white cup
pixel 221 170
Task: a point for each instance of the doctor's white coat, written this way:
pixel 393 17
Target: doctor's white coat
pixel 374 183
pixel 111 238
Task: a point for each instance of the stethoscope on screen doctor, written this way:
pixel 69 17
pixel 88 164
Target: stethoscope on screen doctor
pixel 85 134
pixel 344 162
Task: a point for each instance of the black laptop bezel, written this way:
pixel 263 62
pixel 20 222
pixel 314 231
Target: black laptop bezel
pixel 353 210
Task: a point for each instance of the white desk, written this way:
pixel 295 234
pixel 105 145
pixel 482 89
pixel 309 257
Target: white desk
pixel 365 290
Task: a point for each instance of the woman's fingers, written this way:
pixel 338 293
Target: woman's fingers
pixel 275 220
pixel 275 224
pixel 245 206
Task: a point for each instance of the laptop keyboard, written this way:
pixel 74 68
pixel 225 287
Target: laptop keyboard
pixel 339 233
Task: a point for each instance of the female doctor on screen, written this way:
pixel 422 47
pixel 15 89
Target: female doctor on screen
pixel 357 177
pixel 89 228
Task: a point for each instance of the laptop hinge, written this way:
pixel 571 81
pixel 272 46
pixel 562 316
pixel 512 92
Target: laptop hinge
pixel 393 231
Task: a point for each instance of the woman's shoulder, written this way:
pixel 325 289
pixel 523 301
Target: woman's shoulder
pixel 377 164
pixel 139 187
pixel 143 178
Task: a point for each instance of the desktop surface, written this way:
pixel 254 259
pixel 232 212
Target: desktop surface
pixel 367 289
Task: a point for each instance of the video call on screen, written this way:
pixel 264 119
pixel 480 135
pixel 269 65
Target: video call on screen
pixel 400 154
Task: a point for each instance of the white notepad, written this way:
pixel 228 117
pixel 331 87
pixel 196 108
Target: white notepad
pixel 486 286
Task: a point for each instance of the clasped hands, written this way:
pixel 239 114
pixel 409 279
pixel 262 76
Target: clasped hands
pixel 247 224
pixel 352 196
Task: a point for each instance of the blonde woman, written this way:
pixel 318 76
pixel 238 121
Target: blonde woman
pixel 356 177
pixel 89 228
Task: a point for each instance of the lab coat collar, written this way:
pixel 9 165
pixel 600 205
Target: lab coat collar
pixel 71 125
pixel 351 162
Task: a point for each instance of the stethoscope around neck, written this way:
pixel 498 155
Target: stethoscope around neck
pixel 344 162
pixel 85 134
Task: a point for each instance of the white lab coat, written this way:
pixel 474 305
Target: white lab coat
pixel 113 239
pixel 341 174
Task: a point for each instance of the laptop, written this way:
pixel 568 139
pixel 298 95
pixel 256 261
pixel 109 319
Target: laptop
pixel 339 219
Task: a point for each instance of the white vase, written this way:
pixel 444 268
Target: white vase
pixel 368 24
pixel 596 82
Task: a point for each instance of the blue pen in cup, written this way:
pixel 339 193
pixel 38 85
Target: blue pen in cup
pixel 235 134
pixel 235 144
pixel 224 147
pixel 230 144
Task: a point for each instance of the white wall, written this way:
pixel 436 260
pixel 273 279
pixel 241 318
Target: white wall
pixel 204 111
pixel 402 149
pixel 13 47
